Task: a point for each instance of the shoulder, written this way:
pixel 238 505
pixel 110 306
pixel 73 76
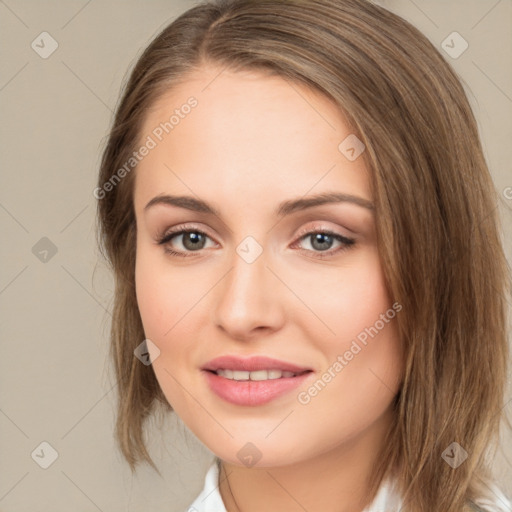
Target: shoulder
pixel 209 500
pixel 487 505
pixel 492 507
pixel 491 499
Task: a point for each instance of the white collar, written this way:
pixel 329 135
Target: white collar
pixel 210 500
pixel 386 500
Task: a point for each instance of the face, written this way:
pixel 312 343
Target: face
pixel 247 269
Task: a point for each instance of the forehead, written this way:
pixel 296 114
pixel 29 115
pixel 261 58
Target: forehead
pixel 261 103
pixel 247 129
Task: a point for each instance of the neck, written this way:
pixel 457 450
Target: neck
pixel 335 481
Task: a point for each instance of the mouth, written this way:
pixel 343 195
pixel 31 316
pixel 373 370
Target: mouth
pixel 253 381
pixel 257 375
pixel 242 367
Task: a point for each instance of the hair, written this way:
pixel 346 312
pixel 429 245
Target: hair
pixel 438 230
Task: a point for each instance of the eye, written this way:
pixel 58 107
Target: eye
pixel 321 241
pixel 192 239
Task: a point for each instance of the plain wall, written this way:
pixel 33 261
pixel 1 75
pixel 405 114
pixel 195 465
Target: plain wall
pixel 55 382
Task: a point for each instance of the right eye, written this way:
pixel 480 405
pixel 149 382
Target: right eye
pixel 192 240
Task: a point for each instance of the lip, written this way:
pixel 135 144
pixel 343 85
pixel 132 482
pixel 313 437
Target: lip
pixel 252 393
pixel 252 364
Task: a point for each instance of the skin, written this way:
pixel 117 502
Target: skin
pixel 252 142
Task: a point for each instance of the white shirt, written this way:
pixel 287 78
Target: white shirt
pixel 386 500
pixel 210 499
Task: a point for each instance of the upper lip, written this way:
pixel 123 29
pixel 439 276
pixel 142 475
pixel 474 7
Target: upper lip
pixel 250 364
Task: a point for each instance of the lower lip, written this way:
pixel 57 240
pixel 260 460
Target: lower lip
pixel 252 392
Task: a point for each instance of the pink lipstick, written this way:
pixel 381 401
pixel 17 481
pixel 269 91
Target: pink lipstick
pixel 253 380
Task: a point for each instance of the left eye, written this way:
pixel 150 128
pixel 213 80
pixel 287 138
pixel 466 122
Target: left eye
pixel 193 240
pixel 323 240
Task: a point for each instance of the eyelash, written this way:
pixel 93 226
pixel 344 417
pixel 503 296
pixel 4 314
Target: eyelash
pixel 347 243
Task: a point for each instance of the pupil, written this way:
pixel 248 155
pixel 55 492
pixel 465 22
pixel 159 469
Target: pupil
pixel 322 239
pixel 192 240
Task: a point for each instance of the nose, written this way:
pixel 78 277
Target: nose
pixel 249 301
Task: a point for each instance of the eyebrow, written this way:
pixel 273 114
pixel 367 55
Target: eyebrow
pixel 285 208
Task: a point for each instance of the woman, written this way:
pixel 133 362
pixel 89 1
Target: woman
pixel 338 340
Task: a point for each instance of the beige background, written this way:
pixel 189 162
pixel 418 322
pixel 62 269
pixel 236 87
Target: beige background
pixel 55 384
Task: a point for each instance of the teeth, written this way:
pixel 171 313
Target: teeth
pixel 275 374
pixel 256 375
pixel 259 375
pixel 240 375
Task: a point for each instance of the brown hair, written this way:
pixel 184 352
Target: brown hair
pixel 436 219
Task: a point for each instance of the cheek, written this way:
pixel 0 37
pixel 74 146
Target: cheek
pixel 347 300
pixel 169 304
pixel 362 353
pixel 162 304
pixel 164 294
pixel 149 299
